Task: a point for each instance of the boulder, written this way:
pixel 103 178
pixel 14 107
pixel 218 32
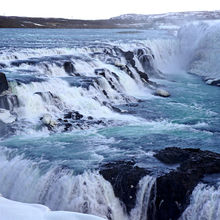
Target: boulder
pixel 69 68
pixel 6 117
pixel 3 83
pixel 73 115
pixel 162 93
pixel 48 120
pixel 77 116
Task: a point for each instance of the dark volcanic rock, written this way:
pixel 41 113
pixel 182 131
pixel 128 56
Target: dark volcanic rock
pixel 116 76
pixel 129 56
pixel 67 126
pixel 2 65
pixel 124 177
pixel 145 60
pixel 105 93
pixel 100 72
pixel 171 192
pixel 175 155
pixel 174 189
pixel 3 83
pixel 77 116
pixel 68 67
pixel 68 115
pixel 128 71
pixel 73 115
pixel 143 76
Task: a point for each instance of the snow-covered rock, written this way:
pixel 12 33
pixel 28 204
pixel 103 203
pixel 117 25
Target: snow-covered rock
pixel 162 93
pixel 48 120
pixel 12 210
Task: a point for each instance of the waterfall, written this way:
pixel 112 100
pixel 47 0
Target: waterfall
pixel 59 189
pixel 142 198
pixel 199 49
pixel 91 82
pixel 204 204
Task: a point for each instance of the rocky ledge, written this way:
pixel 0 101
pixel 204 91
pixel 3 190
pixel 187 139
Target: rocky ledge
pixel 174 189
pixel 171 192
pixel 124 177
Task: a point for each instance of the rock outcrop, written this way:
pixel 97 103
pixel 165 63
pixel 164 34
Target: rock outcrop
pixel 75 115
pixel 3 83
pixel 171 193
pixel 69 68
pixel 124 177
pixel 7 100
pixel 174 189
pixel 48 120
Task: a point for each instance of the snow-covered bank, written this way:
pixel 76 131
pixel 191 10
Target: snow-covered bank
pixel 11 210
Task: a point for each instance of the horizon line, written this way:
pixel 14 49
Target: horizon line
pixel 71 18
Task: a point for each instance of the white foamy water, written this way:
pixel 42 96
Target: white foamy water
pixel 204 204
pixel 200 43
pixel 59 189
pixel 47 89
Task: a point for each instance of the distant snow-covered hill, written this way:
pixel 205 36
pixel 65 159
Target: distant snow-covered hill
pixel 171 20
pixel 171 15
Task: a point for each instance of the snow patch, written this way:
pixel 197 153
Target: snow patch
pixel 11 210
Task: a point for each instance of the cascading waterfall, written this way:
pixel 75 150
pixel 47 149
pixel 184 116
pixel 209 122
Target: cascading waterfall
pixel 199 48
pixel 91 80
pixel 204 204
pixel 142 198
pixel 59 189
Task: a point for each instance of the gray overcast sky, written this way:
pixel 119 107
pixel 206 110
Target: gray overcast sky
pixel 96 9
